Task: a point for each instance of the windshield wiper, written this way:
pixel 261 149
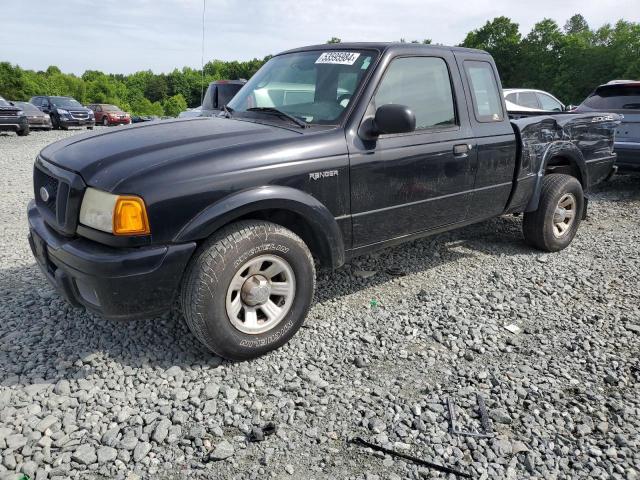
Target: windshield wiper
pixel 274 111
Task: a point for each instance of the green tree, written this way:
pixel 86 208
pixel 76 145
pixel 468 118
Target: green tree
pixel 174 105
pixel 501 38
pixel 156 88
pixel 334 40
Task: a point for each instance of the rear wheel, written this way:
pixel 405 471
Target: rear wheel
pixel 554 224
pixel 248 289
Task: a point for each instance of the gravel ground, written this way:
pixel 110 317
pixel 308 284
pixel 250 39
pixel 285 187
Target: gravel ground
pixel 81 397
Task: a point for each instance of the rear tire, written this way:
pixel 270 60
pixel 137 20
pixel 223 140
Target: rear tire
pixel 554 224
pixel 248 289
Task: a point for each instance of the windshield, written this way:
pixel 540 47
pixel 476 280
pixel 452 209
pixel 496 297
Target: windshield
pixel 616 97
pixel 110 108
pixel 65 102
pixel 314 86
pixel 27 107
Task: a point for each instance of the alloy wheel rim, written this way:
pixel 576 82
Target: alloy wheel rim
pixel 564 215
pixel 260 294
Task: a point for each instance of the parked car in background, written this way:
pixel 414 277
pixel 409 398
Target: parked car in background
pixel 13 119
pixel 36 118
pixel 106 114
pixel 140 118
pixel 623 97
pixel 524 101
pixel 65 112
pixel 191 112
pixel 219 93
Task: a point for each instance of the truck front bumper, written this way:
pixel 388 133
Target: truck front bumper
pixel 120 283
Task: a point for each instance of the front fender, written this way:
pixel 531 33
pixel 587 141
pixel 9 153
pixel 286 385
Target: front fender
pixel 557 149
pixel 270 197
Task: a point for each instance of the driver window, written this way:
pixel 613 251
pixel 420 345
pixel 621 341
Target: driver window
pixel 422 84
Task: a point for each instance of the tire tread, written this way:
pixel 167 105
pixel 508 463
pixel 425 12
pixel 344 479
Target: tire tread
pixel 211 255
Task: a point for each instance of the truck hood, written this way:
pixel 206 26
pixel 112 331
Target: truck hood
pixel 104 159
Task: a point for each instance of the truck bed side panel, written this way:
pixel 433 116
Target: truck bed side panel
pixel 584 140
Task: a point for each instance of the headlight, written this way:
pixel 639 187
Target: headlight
pixel 19 113
pixel 91 113
pixel 62 111
pixel 117 214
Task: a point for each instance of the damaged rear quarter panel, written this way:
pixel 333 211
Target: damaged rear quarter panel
pixel 585 140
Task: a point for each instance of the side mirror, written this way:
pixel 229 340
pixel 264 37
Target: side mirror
pixel 569 108
pixel 392 118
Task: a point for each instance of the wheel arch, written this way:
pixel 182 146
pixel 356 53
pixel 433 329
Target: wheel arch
pixel 285 206
pixel 560 157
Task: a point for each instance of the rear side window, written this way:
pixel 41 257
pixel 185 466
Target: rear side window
pixel 617 97
pixel 226 92
pixel 549 103
pixel 528 99
pixel 422 84
pixel 484 90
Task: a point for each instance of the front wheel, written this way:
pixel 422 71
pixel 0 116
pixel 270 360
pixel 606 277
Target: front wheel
pixel 105 122
pixel 24 132
pixel 248 289
pixel 554 224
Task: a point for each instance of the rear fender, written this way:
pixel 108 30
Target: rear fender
pixel 260 199
pixel 563 151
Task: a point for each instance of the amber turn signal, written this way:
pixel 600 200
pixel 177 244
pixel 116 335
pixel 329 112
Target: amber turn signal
pixel 130 216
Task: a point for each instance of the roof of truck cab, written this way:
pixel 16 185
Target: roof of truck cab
pixel 383 47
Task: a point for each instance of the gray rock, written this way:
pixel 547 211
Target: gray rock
pixel 84 454
pixel 141 451
pixel 107 454
pixel 45 423
pixel 63 387
pixel 222 451
pixel 500 415
pixel 162 430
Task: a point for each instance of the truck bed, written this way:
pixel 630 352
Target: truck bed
pixel 586 141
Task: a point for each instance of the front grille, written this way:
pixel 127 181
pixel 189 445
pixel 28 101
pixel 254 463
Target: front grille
pixel 8 113
pixel 60 204
pixel 79 115
pixel 41 181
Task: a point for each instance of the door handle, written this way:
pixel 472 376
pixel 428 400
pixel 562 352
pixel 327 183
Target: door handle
pixel 461 150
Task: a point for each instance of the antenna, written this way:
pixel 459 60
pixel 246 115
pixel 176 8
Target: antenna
pixel 204 9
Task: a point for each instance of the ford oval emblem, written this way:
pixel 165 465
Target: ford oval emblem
pixel 44 194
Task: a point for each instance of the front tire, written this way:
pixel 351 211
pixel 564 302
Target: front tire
pixel 248 289
pixel 24 132
pixel 105 122
pixel 554 224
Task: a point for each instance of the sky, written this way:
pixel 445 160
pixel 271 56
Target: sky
pixel 123 36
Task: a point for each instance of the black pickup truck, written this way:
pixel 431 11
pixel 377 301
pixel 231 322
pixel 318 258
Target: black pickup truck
pixel 328 152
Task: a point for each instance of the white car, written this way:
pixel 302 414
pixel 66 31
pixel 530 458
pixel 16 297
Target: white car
pixel 529 100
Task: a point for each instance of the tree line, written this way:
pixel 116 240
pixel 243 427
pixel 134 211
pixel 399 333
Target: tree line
pixel 141 93
pixel 568 61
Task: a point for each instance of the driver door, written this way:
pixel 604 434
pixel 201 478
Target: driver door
pixel 407 183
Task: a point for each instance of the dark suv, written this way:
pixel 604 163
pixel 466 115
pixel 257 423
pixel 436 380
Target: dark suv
pixel 13 119
pixel 623 97
pixel 219 93
pixel 65 112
